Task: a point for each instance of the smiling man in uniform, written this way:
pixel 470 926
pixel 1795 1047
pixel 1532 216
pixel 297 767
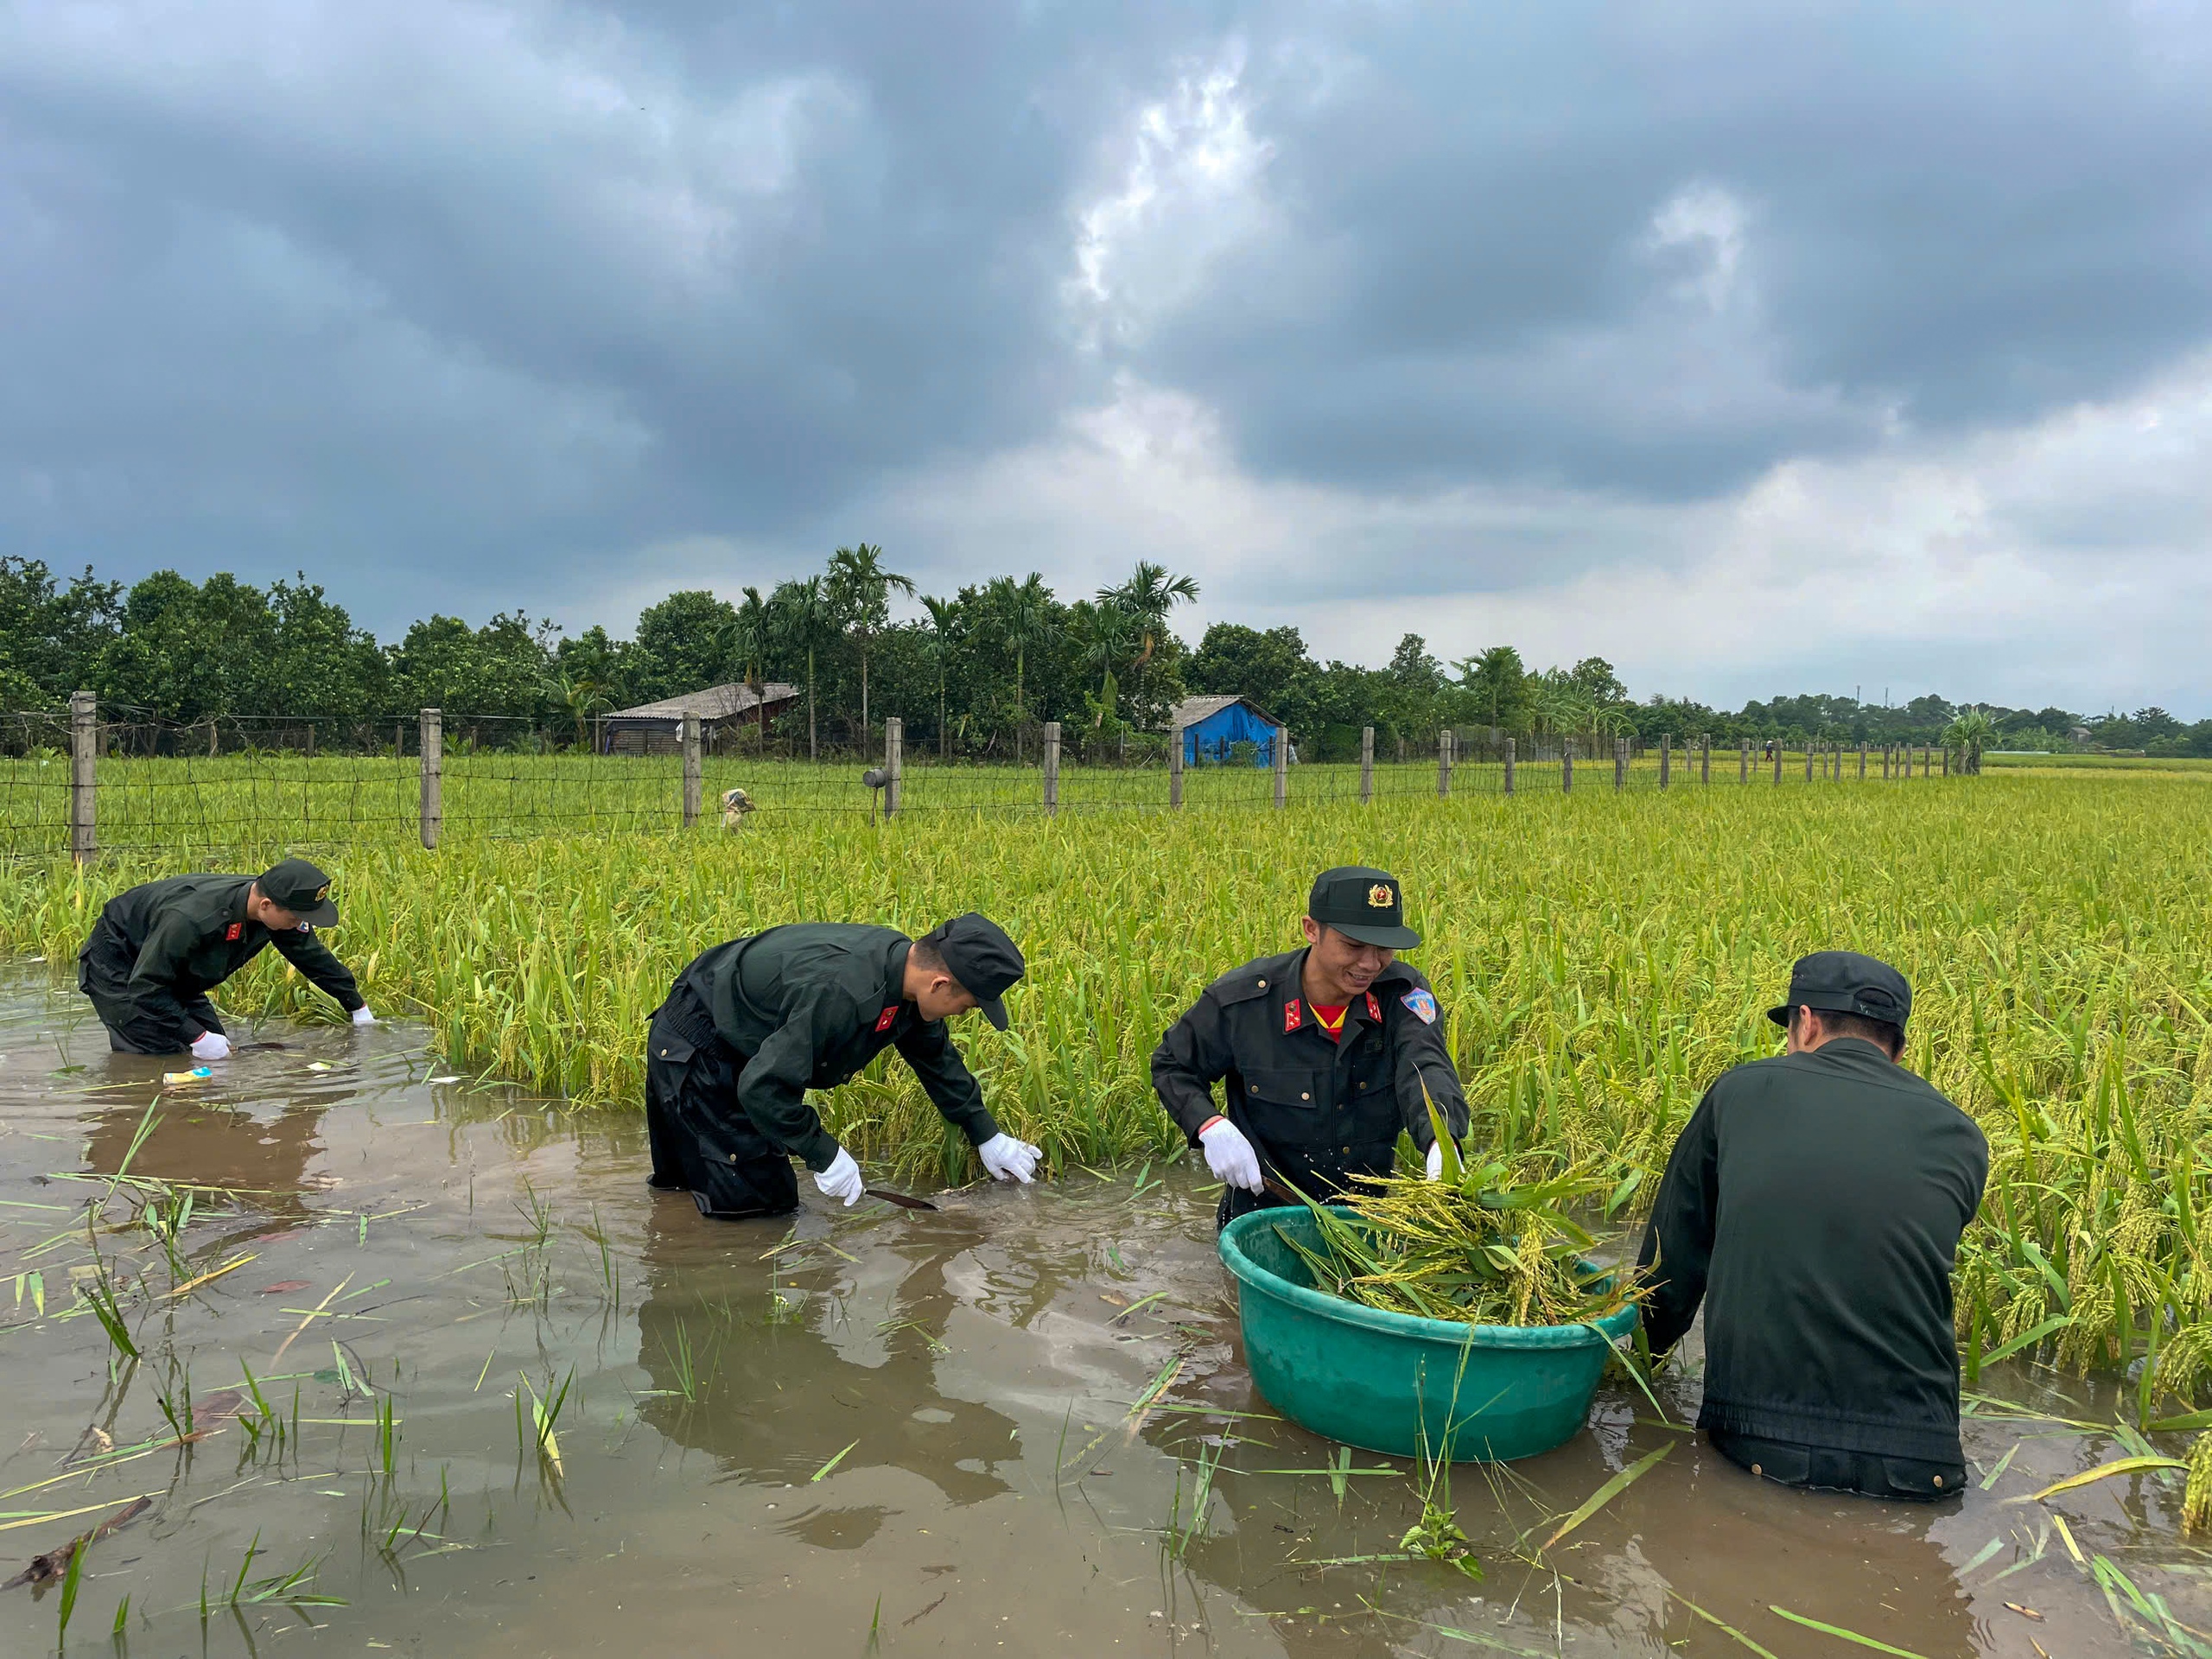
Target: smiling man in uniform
pixel 1324 1051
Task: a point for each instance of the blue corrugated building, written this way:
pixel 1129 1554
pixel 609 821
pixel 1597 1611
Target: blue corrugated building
pixel 1212 726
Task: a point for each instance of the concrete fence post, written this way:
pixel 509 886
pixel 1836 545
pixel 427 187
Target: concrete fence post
pixel 1862 760
pixel 433 810
pixel 1175 766
pixel 1282 766
pixel 1620 763
pixel 1444 763
pixel 693 779
pixel 1666 759
pixel 894 761
pixel 84 775
pixel 1778 759
pixel 1744 761
pixel 1052 767
pixel 1509 766
pixel 1366 764
pixel 1810 747
pixel 1567 768
pixel 1704 758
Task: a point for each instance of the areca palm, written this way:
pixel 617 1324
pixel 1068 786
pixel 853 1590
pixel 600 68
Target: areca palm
pixel 944 630
pixel 750 637
pixel 802 620
pixel 860 591
pixel 1025 614
pixel 1149 595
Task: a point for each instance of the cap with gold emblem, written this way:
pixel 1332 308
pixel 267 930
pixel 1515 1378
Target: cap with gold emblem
pixel 1363 905
pixel 299 888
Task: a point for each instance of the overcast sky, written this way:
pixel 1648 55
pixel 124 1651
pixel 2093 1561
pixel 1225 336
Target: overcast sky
pixel 1755 345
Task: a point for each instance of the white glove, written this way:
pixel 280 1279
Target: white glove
pixel 1436 1161
pixel 1009 1159
pixel 211 1046
pixel 1230 1155
pixel 363 1017
pixel 842 1179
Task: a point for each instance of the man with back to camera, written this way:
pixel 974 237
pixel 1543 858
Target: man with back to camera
pixel 749 1026
pixel 1324 1051
pixel 1814 1204
pixel 159 947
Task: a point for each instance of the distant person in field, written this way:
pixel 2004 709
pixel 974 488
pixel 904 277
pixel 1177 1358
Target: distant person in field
pixel 1325 1051
pixel 752 1025
pixel 157 951
pixel 1814 1205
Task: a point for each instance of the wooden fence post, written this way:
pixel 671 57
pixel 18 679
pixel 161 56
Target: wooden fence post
pixel 84 775
pixel 432 759
pixel 1509 766
pixel 1666 757
pixel 1053 768
pixel 1282 766
pixel 894 761
pixel 1366 764
pixel 1444 763
pixel 1175 766
pixel 694 779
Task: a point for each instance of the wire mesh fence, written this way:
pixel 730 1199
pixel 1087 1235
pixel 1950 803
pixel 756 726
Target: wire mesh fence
pixel 113 778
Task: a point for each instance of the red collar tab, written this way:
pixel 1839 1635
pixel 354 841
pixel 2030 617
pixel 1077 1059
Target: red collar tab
pixel 884 1021
pixel 1293 1016
pixel 234 932
pixel 1374 1009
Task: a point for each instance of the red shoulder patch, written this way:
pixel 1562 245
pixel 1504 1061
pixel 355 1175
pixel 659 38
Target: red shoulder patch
pixel 234 932
pixel 1374 1009
pixel 884 1021
pixel 1293 1015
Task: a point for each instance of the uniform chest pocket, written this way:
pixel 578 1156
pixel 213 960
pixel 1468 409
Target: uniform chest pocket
pixel 671 1048
pixel 1286 1088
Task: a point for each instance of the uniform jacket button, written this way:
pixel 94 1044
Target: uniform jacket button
pixel 1263 984
pixel 1255 1087
pixel 1304 1097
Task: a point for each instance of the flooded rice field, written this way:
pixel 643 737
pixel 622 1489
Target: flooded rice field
pixel 359 1354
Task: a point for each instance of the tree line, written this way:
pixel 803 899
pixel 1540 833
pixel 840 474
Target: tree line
pixel 973 674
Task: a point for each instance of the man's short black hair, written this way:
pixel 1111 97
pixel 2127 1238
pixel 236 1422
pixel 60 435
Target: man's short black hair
pixel 931 957
pixel 1888 1037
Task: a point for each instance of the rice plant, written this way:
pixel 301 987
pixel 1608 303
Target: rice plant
pixel 1598 958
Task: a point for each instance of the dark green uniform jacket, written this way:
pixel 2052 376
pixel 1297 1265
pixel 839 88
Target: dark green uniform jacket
pixel 159 948
pixel 807 1007
pixel 1814 1204
pixel 1320 1111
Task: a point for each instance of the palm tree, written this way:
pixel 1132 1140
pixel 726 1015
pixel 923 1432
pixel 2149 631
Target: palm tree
pixel 1103 633
pixel 803 619
pixel 583 697
pixel 860 591
pixel 1969 734
pixel 1149 595
pixel 944 627
pixel 750 637
pixel 1026 612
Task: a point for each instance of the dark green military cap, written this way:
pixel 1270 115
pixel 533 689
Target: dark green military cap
pixel 299 888
pixel 1363 905
pixel 1843 981
pixel 985 962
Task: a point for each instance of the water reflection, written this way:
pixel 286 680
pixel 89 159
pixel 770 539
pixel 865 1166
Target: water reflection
pixel 772 1372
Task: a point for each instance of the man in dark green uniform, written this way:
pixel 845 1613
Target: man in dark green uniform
pixel 751 1025
pixel 159 948
pixel 1325 1051
pixel 1814 1204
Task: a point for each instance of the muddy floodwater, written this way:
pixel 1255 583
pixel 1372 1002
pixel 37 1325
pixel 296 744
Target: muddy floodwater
pixel 1022 1424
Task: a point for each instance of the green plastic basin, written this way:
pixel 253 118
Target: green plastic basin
pixel 1396 1383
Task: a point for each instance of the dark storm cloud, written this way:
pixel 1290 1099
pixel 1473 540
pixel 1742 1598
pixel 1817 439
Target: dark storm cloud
pixel 494 296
